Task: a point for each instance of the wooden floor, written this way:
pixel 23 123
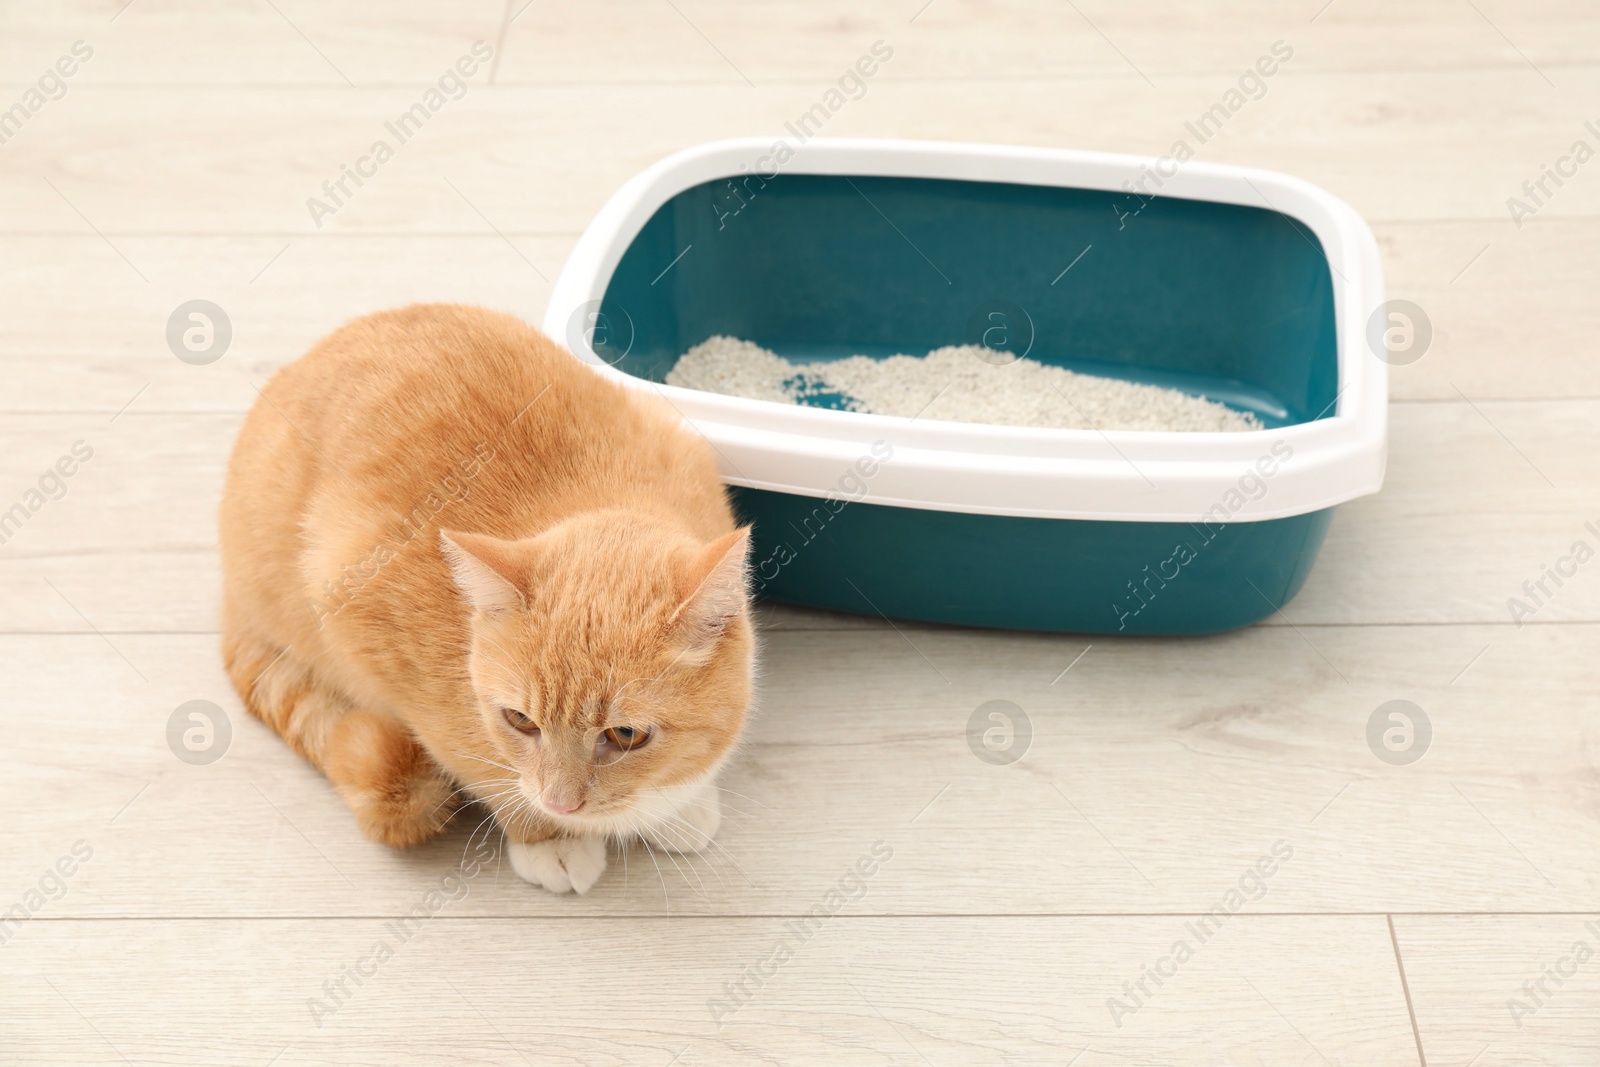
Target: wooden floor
pixel 1438 912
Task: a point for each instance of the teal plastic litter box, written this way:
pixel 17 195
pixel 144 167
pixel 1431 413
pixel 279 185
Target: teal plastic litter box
pixel 1246 286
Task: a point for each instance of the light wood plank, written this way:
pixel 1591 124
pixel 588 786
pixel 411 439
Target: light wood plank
pixel 951 40
pixel 1156 774
pixel 280 293
pixel 627 41
pixel 189 42
pixel 859 991
pixel 1511 990
pixel 1512 310
pixel 533 158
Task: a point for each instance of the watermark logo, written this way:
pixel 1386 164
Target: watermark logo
pixel 199 732
pixel 1538 191
pixel 1251 488
pixel 999 732
pixel 450 888
pixel 1251 886
pixel 607 332
pixel 51 886
pixel 1399 732
pixel 51 85
pixel 1543 589
pixel 846 890
pixel 1003 330
pixel 420 521
pixel 337 192
pixel 199 332
pixel 51 486
pixel 1538 992
pixel 1399 332
pixel 851 487
pixel 738 192
pixel 1250 86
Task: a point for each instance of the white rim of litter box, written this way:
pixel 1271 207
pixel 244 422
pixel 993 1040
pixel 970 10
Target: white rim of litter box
pixel 1117 475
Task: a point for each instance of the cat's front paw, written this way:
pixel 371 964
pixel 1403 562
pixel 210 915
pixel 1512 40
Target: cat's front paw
pixel 693 826
pixel 561 864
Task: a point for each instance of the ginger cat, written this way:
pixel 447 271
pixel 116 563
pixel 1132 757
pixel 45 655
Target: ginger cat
pixel 458 561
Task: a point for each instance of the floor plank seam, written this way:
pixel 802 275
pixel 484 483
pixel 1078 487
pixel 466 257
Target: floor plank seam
pixel 1405 987
pixel 766 915
pixel 803 81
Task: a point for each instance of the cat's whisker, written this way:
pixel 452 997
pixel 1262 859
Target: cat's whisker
pixel 722 804
pixel 508 652
pixel 742 796
pixel 468 674
pixel 497 787
pixel 510 655
pixel 502 766
pixel 652 853
pixel 471 788
pixel 508 664
pixel 672 858
pixel 446 803
pixel 478 784
pixel 497 784
pixel 656 678
pixel 714 843
pixel 523 811
pixel 498 801
pixel 689 833
pixel 484 636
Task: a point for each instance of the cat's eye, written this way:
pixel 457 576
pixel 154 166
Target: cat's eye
pixel 628 737
pixel 520 721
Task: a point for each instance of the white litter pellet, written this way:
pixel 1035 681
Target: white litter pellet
pixel 955 384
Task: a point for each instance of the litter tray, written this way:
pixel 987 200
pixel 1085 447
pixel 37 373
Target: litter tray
pixel 1247 287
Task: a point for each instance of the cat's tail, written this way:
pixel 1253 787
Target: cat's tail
pixel 399 795
pixel 280 691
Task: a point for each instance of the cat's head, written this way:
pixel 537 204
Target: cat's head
pixel 612 661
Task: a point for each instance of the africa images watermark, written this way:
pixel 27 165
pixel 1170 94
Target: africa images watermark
pixel 1252 85
pixel 51 886
pixel 451 85
pixel 1538 590
pixel 850 886
pixel 1251 488
pixel 50 486
pixel 452 887
pixel 850 488
pixel 1251 886
pixel 1565 167
pixel 735 193
pixel 51 85
pixel 1537 992
pixel 452 488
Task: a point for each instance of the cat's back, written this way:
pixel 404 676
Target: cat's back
pixel 400 406
pixel 387 375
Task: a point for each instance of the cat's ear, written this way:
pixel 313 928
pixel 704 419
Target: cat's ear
pixel 716 583
pixel 487 570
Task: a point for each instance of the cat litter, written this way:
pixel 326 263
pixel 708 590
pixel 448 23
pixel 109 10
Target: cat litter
pixel 957 383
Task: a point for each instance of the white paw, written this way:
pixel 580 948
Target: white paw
pixel 561 864
pixel 692 824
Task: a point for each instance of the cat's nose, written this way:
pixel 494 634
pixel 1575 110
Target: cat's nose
pixel 561 806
